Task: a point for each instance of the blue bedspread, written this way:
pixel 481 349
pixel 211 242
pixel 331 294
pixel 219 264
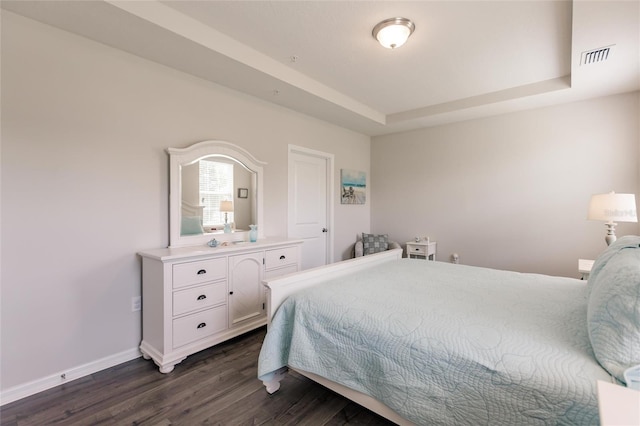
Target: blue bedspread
pixel 446 344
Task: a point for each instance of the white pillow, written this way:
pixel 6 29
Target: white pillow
pixel 613 311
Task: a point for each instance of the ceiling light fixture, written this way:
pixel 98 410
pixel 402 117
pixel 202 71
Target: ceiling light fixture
pixel 393 32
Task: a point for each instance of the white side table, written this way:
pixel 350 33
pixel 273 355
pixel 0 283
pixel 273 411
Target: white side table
pixel 618 405
pixel 584 267
pixel 421 250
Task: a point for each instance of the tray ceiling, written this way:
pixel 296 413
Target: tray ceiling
pixel 465 59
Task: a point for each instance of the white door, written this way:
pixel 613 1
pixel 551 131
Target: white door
pixel 310 206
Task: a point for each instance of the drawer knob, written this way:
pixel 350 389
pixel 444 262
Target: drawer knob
pixel 230 292
pixel 202 297
pixel 202 271
pixel 202 325
pixel 282 257
pixel 417 249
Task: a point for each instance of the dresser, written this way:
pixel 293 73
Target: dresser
pixel 197 297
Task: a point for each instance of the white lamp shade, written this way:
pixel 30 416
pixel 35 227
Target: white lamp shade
pixel 226 206
pixel 394 32
pixel 393 36
pixel 613 207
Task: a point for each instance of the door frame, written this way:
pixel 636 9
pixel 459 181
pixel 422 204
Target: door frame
pixel 329 161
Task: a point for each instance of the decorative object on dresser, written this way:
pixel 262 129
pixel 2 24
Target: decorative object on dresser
pixel 611 208
pixel 423 249
pixel 196 297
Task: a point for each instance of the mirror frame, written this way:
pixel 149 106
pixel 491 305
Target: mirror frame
pixel 184 156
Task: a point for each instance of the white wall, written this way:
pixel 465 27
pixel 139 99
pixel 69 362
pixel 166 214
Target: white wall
pixel 511 191
pixel 85 186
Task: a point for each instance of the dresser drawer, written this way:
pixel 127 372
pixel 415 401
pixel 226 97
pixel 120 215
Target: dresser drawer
pixel 199 325
pixel 200 297
pixel 280 257
pixel 419 250
pixel 190 273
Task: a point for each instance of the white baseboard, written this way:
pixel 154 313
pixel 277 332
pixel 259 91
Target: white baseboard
pixel 31 388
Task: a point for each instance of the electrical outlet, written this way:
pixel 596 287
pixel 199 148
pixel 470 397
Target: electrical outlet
pixel 136 303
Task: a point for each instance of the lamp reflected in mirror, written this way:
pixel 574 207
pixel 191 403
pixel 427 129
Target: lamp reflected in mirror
pixel 226 207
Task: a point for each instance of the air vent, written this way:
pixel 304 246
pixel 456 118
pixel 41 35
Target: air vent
pixel 596 55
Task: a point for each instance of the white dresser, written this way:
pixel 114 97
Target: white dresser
pixel 196 297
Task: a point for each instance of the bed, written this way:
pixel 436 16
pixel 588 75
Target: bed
pixel 191 222
pixel 436 343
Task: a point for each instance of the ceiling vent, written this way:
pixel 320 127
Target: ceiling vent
pixel 596 55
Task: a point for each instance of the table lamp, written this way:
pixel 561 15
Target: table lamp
pixel 226 207
pixel 611 208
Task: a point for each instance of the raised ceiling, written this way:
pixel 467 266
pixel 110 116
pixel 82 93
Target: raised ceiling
pixel 466 59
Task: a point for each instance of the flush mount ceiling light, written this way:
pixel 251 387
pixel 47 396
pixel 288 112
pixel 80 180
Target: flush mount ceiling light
pixel 393 32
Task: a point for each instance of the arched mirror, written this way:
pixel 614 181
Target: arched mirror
pixel 215 191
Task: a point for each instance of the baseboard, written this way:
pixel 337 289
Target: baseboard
pixel 22 391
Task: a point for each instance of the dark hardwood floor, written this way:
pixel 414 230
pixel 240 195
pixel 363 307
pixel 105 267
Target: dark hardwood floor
pixel 217 386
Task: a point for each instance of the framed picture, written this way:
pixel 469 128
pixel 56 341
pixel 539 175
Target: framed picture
pixel 354 187
pixel 243 192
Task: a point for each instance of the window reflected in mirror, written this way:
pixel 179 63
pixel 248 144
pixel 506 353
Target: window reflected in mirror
pixel 205 185
pixel 216 186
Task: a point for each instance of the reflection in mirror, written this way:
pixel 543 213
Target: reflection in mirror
pixel 213 183
pixel 205 185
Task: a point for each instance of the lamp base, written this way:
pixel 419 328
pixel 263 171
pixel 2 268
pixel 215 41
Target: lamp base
pixel 611 232
pixel 227 228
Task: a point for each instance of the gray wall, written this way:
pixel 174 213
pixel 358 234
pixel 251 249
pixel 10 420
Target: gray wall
pixel 85 186
pixel 510 191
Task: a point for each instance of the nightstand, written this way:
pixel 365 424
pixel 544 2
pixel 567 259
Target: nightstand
pixel 618 405
pixel 584 267
pixel 421 250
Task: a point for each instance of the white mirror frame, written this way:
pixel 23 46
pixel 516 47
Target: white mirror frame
pixel 184 156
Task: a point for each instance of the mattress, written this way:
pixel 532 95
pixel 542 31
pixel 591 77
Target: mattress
pixel 446 344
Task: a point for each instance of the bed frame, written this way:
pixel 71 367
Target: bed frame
pixel 279 289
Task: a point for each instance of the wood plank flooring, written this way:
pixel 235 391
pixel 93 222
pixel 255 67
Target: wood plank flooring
pixel 217 386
